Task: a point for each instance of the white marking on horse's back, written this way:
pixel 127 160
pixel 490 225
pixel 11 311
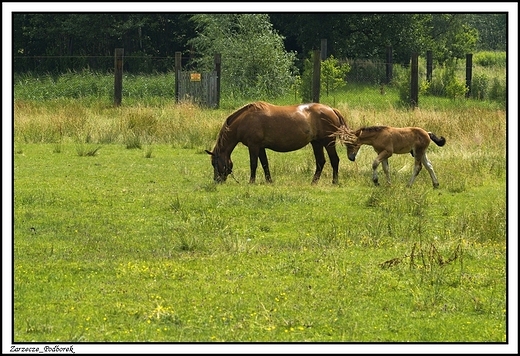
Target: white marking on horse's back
pixel 303 107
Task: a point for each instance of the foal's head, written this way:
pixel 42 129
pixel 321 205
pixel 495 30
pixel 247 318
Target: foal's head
pixel 350 139
pixel 222 166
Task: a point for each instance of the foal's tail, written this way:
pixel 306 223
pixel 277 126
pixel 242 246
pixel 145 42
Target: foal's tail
pixel 439 141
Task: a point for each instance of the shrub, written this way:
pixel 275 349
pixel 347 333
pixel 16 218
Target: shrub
pixel 479 86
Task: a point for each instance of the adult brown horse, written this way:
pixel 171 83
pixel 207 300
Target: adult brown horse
pixel 386 141
pixel 261 125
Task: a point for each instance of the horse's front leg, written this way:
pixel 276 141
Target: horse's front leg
pixel 253 163
pixel 375 178
pixel 381 157
pixel 386 169
pixel 265 164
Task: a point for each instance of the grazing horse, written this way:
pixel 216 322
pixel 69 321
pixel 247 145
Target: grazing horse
pixel 388 140
pixel 261 125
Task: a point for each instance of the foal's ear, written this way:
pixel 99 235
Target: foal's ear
pixel 209 152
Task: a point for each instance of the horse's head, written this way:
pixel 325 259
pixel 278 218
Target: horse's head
pixel 222 166
pixel 350 139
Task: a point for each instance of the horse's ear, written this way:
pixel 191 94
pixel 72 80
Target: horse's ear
pixel 209 152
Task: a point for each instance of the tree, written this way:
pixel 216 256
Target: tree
pixel 492 30
pixel 451 36
pixel 366 35
pixel 254 61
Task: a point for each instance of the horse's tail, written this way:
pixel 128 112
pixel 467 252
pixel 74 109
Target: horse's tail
pixel 340 117
pixel 439 141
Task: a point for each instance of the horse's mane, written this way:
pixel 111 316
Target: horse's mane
pixel 371 129
pixel 258 105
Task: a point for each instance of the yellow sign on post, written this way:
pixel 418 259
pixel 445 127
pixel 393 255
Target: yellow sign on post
pixel 195 77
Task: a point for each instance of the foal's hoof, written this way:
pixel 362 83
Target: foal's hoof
pixel 436 186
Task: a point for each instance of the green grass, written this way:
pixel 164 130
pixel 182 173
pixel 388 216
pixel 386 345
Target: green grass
pixel 120 247
pixel 120 234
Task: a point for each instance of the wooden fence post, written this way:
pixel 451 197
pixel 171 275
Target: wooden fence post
pixel 118 76
pixel 323 49
pixel 469 70
pixel 389 64
pixel 316 74
pixel 429 65
pixel 178 66
pixel 414 84
pixel 218 61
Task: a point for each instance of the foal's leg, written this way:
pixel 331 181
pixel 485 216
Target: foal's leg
pixel 382 157
pixel 265 164
pixel 429 168
pixel 386 169
pixel 320 160
pixel 334 161
pixel 416 168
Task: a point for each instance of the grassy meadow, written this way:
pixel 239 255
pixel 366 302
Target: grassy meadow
pixel 121 235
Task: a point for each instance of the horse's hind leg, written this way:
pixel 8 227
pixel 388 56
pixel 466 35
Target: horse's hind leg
pixel 429 168
pixel 265 164
pixel 320 161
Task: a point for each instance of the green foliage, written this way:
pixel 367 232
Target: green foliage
pixel 332 76
pixel 492 30
pixel 456 88
pixel 490 59
pixel 479 86
pixel 61 42
pixel 451 37
pixel 254 60
pixel 498 90
pixel 366 71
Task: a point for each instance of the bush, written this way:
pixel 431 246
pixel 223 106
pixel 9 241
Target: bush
pixel 332 76
pixel 498 90
pixel 490 59
pixel 479 86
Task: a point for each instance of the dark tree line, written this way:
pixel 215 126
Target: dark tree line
pixel 51 42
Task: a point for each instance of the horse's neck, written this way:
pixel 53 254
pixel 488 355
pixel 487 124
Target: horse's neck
pixel 225 145
pixel 366 137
